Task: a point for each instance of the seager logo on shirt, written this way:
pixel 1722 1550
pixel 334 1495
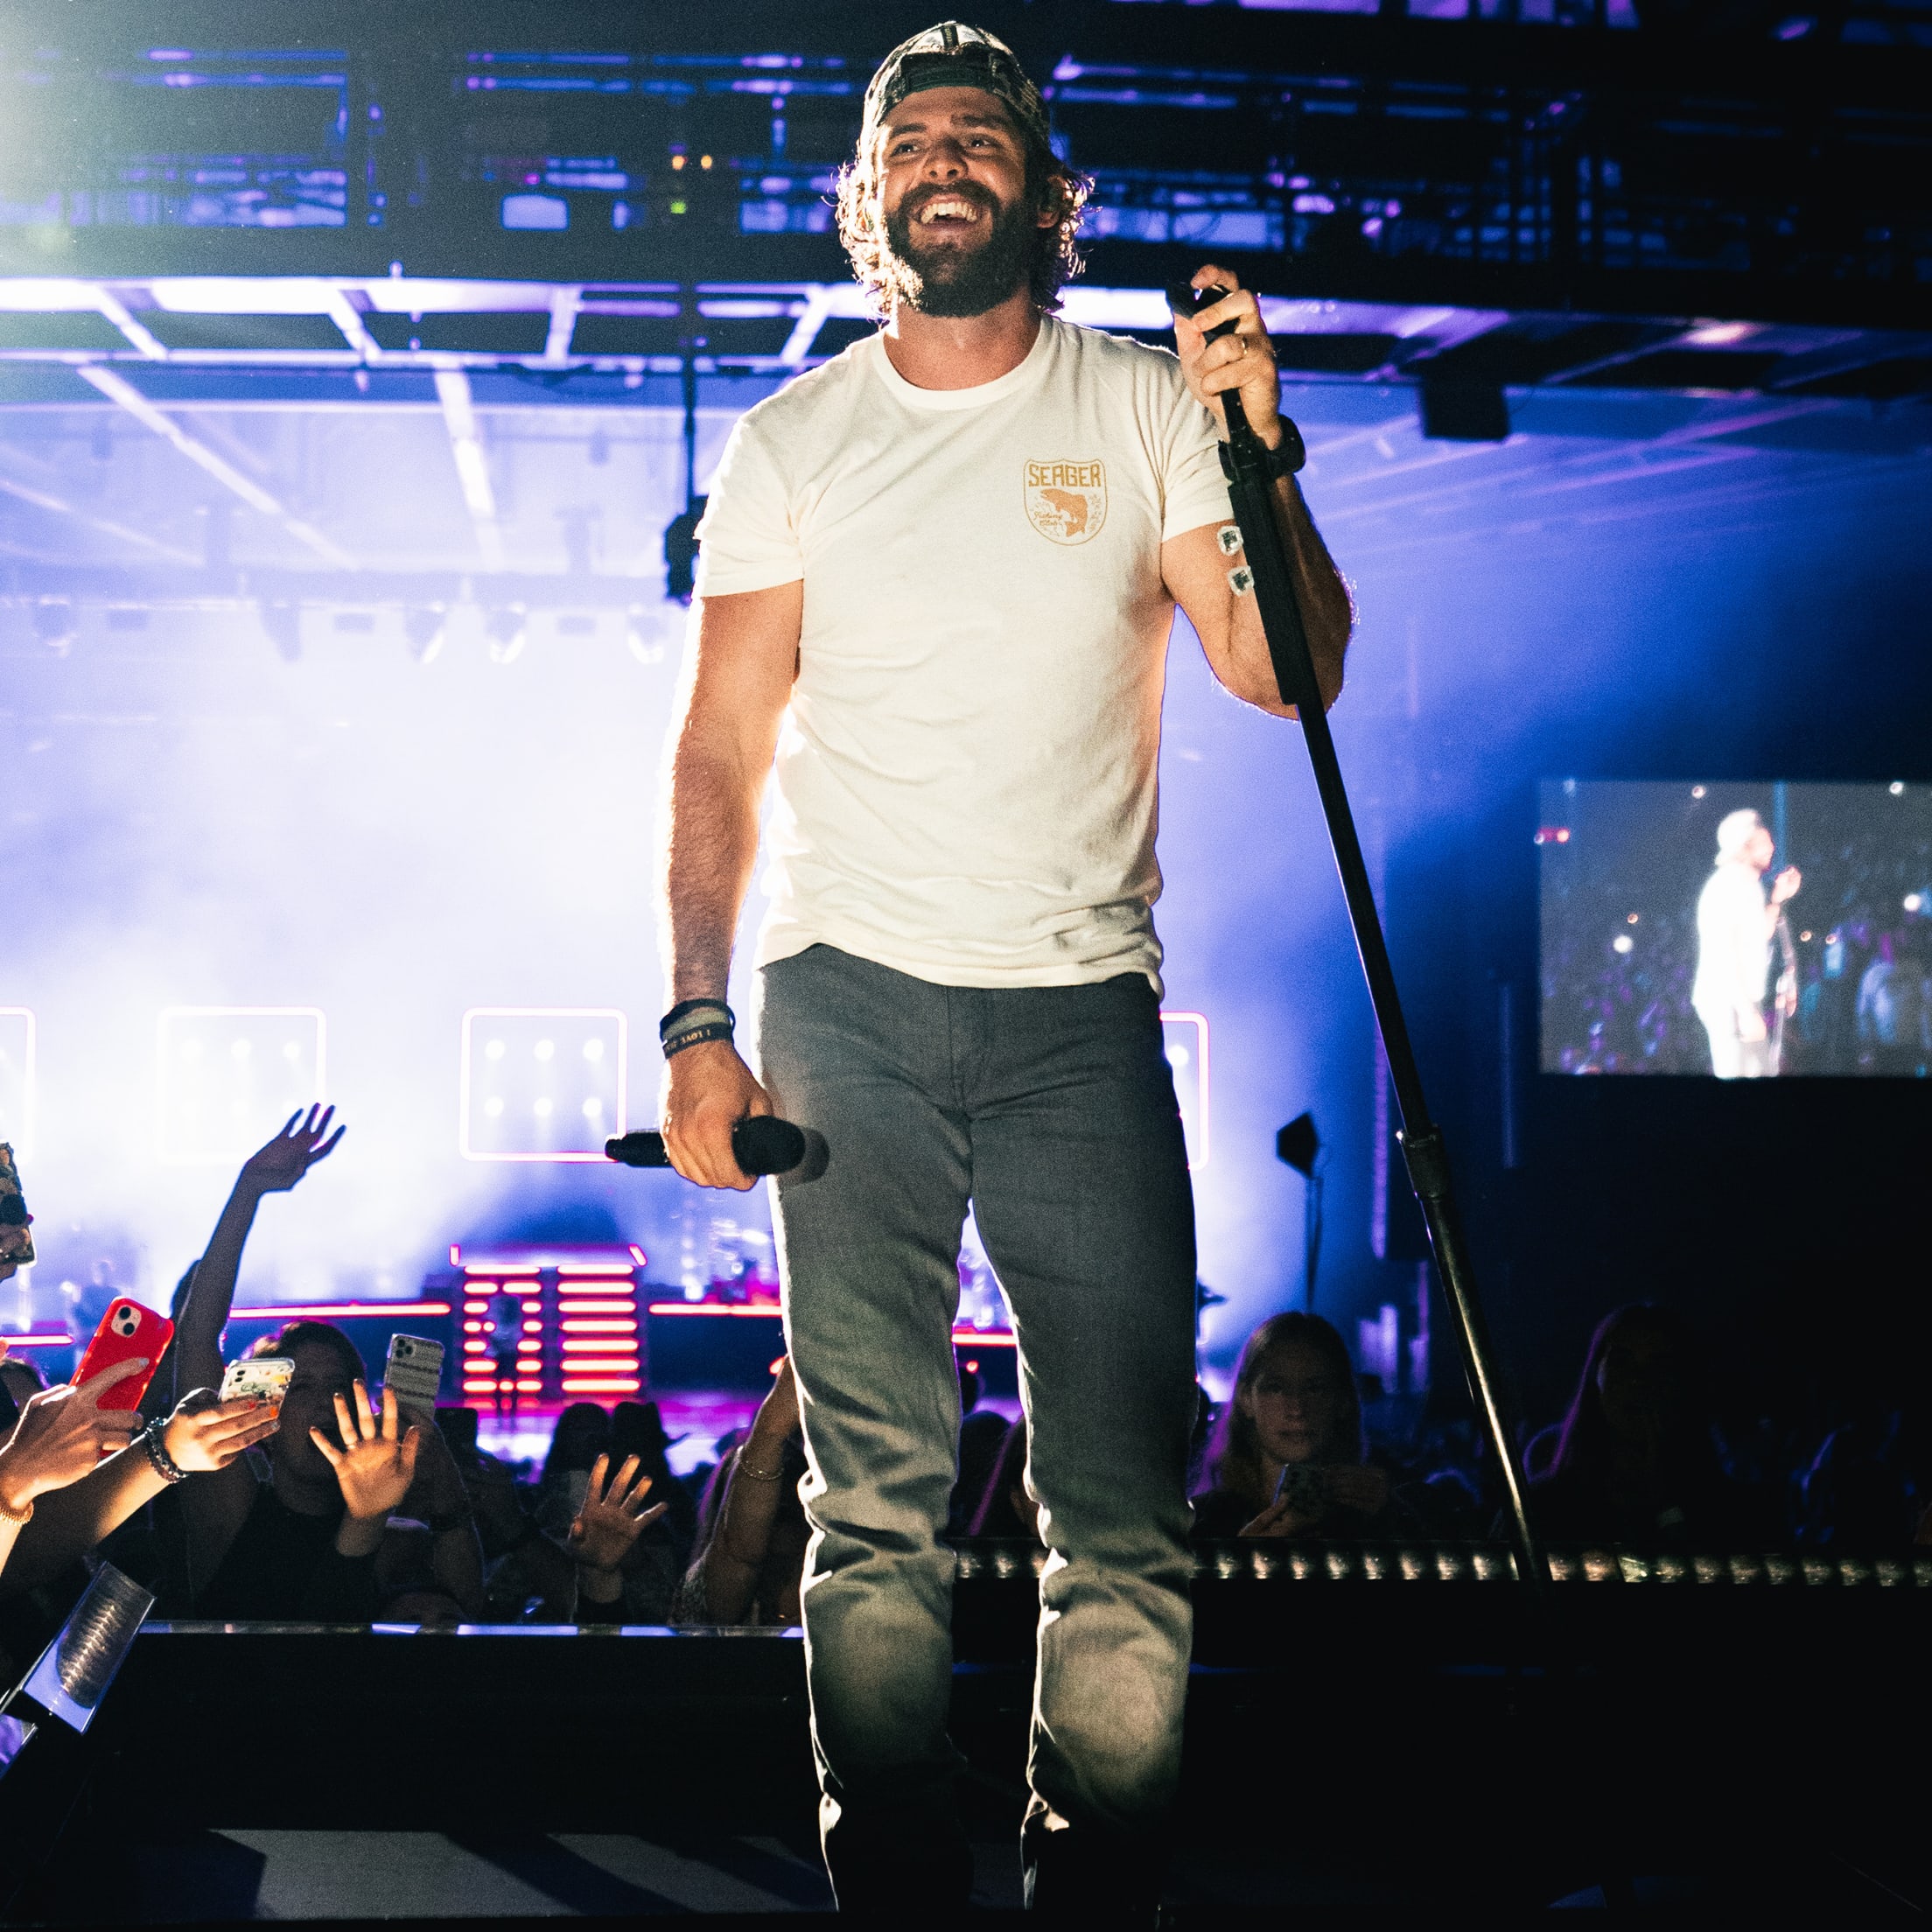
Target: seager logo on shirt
pixel 1065 501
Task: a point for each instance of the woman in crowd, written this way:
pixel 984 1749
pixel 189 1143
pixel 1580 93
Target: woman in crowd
pixel 1636 1462
pixel 747 1568
pixel 293 1534
pixel 653 1566
pixel 71 1471
pixel 1286 1458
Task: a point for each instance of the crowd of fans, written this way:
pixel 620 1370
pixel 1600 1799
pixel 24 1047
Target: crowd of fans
pixel 335 1505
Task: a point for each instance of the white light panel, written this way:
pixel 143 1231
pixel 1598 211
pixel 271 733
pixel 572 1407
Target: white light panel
pixel 540 1083
pixel 228 1076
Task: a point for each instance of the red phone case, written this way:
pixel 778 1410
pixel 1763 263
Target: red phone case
pixel 128 1328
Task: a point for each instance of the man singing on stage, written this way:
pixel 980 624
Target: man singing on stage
pixel 937 580
pixel 1735 927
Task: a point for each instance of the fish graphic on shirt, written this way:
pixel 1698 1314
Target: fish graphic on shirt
pixel 1066 500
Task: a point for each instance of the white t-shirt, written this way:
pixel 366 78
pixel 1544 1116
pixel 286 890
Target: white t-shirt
pixel 1733 941
pixel 966 777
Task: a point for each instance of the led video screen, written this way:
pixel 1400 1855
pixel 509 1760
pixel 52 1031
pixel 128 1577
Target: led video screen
pixel 1737 931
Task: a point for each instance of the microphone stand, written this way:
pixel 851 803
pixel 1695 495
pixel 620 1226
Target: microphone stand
pixel 1245 459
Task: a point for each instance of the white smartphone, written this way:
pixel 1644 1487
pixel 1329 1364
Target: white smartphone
pixel 265 1378
pixel 414 1372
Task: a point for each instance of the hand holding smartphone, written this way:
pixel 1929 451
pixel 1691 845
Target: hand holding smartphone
pixel 258 1378
pixel 129 1329
pixel 413 1374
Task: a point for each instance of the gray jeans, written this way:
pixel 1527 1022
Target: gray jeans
pixel 1051 1111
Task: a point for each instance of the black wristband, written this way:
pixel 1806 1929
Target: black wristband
pixel 695 1036
pixel 687 1006
pixel 1284 460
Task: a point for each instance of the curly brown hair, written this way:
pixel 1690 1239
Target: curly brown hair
pixel 1050 182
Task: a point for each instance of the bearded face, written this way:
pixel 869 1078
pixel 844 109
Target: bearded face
pixel 955 249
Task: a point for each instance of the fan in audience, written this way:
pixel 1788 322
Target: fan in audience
pixel 1637 1461
pixel 292 1535
pixel 747 1569
pixel 653 1564
pixel 1287 1457
pixel 583 1434
pixel 72 1472
pixel 616 1515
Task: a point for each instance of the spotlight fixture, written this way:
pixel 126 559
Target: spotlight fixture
pixel 423 626
pixel 54 622
pixel 506 627
pixel 1298 1144
pixel 283 624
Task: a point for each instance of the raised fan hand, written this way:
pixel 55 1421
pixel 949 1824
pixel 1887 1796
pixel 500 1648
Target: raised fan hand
pixel 275 1166
pixel 375 1462
pixel 616 1512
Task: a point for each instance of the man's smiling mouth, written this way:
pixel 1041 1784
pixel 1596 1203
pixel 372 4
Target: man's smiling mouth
pixel 944 208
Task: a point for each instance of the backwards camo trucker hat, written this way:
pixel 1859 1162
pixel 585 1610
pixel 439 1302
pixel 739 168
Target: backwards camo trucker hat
pixel 954 55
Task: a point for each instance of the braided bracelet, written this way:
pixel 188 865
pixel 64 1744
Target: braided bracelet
pixel 165 1465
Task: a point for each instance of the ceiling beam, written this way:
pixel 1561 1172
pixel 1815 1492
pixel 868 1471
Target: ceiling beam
pixel 473 469
pixel 123 393
pixel 55 505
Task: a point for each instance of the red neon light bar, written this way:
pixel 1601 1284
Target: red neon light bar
pixel 336 1311
pixel 711 1308
pixel 591 1259
pixel 58 1339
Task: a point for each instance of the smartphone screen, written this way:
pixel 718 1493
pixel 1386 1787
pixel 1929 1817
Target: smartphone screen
pixel 128 1328
pixel 16 1238
pixel 414 1371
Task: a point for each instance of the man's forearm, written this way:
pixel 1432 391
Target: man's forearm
pixel 1326 614
pixel 710 843
pixel 1321 597
pixel 70 1522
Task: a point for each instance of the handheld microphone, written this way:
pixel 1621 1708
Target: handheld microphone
pixel 760 1144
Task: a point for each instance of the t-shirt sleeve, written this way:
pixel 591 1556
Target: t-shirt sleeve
pixel 1194 491
pixel 748 539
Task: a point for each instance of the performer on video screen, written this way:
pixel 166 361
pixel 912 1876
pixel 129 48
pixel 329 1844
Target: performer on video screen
pixel 937 579
pixel 1735 929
